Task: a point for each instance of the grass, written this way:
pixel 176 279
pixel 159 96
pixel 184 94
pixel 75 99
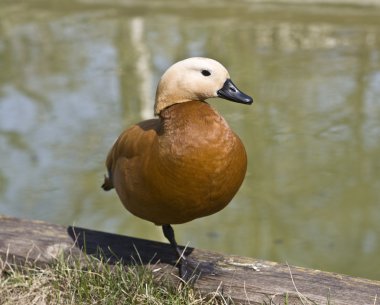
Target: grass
pixel 96 282
pixel 93 281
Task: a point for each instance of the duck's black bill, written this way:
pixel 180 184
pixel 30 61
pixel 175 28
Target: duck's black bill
pixel 232 93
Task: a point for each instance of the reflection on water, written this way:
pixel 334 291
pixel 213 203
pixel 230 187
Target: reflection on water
pixel 73 76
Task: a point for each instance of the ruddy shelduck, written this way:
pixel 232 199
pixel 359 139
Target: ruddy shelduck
pixel 187 163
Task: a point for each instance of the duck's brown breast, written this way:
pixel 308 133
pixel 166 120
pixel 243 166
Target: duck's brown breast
pixel 185 165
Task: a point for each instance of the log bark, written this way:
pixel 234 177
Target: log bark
pixel 244 280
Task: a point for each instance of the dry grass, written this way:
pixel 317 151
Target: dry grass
pixel 68 282
pixel 93 281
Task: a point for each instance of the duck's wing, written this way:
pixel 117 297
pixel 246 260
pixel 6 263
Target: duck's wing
pixel 133 142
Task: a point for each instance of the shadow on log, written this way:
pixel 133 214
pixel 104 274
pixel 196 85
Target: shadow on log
pixel 115 247
pixel 244 280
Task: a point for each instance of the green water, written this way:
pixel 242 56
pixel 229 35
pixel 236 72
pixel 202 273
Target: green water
pixel 73 74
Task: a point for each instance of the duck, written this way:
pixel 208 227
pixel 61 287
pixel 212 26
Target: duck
pixel 186 163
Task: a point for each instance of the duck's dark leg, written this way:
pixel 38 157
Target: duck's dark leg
pixel 185 273
pixel 169 234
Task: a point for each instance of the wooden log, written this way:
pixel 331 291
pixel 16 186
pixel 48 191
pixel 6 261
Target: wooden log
pixel 244 280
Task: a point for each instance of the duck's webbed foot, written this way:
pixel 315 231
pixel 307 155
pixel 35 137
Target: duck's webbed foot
pixel 189 269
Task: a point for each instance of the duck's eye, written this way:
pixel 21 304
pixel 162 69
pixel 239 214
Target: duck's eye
pixel 206 73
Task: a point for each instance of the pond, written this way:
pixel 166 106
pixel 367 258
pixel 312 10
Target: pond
pixel 74 74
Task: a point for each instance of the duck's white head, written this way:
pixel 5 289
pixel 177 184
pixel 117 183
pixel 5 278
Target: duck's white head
pixel 196 79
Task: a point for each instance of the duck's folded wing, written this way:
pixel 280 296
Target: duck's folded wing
pixel 131 143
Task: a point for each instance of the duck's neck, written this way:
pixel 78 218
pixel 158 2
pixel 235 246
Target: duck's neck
pixel 189 113
pixel 183 109
pixel 195 119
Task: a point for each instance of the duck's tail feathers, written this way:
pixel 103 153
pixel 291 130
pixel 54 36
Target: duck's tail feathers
pixel 107 185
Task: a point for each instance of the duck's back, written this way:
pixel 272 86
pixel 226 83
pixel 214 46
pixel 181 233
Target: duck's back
pixel 185 165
